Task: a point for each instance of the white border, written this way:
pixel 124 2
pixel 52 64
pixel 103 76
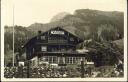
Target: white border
pixel 66 79
pixel 2 42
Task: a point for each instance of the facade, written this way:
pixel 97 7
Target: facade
pixel 55 46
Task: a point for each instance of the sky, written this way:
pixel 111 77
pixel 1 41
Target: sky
pixel 27 12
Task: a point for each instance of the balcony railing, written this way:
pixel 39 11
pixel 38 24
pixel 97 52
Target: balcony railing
pixel 57 41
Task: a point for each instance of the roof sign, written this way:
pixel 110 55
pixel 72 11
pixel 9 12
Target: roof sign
pixel 57 32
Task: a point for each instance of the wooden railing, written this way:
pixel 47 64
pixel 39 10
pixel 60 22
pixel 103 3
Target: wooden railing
pixel 57 41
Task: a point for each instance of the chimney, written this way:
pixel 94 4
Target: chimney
pixel 39 32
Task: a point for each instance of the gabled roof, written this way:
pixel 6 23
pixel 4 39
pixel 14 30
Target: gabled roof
pixel 68 29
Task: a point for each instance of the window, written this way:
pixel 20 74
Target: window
pixel 33 50
pixel 74 60
pixel 71 39
pixel 43 48
pixel 79 59
pixel 50 59
pixel 42 37
pixel 55 59
pixel 70 60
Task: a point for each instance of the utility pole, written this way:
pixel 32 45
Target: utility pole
pixel 13 38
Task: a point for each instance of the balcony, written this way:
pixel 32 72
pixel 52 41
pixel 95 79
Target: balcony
pixel 57 41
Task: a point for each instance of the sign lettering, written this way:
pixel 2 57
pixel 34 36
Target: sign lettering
pixel 57 32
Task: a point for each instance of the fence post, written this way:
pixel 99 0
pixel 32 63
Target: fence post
pixel 82 69
pixel 19 72
pixel 22 71
pixel 90 71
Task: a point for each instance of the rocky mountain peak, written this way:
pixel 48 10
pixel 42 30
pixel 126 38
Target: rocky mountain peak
pixel 59 16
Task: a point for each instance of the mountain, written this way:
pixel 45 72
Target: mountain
pixel 88 24
pixel 59 16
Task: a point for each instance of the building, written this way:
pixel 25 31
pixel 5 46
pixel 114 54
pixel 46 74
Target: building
pixel 55 46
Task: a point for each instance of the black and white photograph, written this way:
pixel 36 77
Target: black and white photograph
pixel 60 40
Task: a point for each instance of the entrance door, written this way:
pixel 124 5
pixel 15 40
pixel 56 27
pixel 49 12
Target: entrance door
pixel 61 60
